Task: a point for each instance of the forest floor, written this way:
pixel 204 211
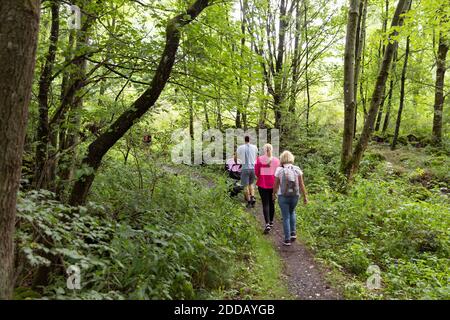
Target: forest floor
pixel 422 167
pixel 304 276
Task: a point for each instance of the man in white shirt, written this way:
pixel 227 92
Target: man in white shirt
pixel 247 153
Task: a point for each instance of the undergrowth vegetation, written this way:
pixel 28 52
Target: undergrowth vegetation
pixel 158 235
pixel 172 232
pixel 395 215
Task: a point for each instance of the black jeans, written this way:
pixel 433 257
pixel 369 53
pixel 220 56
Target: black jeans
pixel 267 204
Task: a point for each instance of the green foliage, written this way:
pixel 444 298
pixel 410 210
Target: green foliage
pixel 384 220
pixel 181 240
pixel 47 227
pixel 175 242
pixel 161 235
pixel 52 234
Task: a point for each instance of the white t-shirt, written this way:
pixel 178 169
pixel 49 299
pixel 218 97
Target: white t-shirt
pixel 250 152
pixel 279 173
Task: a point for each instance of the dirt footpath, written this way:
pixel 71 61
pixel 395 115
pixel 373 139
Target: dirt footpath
pixel 304 277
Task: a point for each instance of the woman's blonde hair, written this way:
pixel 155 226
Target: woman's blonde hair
pixel 286 158
pixel 268 152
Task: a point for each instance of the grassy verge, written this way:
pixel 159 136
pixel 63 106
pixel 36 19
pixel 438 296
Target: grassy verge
pixel 256 275
pixel 260 275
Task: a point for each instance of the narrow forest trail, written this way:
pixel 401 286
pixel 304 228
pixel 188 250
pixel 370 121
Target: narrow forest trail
pixel 305 277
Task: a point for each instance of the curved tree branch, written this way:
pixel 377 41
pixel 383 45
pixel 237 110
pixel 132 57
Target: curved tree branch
pixel 99 147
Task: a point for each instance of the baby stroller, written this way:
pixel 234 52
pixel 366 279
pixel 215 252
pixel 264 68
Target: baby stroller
pixel 234 167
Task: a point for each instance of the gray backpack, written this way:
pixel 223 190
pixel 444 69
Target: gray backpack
pixel 289 187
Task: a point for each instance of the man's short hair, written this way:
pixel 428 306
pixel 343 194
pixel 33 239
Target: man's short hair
pixel 247 139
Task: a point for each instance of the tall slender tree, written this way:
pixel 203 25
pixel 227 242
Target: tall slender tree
pixel 349 82
pixel 387 115
pixel 296 54
pixel 360 44
pixel 439 90
pixel 402 93
pixel 43 132
pixel 352 166
pixel 307 61
pixel 381 52
pixel 19 25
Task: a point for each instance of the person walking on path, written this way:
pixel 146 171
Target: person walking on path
pixel 288 185
pixel 265 172
pixel 247 154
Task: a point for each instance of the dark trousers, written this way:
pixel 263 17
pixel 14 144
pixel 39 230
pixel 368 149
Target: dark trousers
pixel 267 204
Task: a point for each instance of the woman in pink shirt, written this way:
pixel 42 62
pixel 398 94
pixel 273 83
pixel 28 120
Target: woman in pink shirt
pixel 265 172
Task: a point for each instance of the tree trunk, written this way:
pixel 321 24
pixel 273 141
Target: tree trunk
pixel 238 119
pixel 19 25
pixel 245 121
pixel 349 79
pixel 362 93
pixel 99 147
pixel 402 95
pixel 42 177
pixel 279 97
pixel 247 101
pixel 384 24
pixel 389 105
pixel 205 110
pixel 59 114
pixel 380 85
pixel 385 21
pixel 380 114
pixel 439 93
pixel 360 43
pixel 57 131
pixel 262 108
pixel 241 113
pixel 75 102
pixel 308 94
pixel 391 91
pixel 296 58
pixel 191 115
pixel 381 52
pixel 218 110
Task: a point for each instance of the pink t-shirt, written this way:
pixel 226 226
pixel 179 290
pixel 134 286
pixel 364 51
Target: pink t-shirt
pixel 265 172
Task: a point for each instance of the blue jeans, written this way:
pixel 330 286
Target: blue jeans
pixel 287 206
